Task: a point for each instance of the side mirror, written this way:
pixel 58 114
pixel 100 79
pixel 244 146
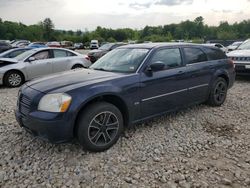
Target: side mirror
pixel 31 59
pixel 156 66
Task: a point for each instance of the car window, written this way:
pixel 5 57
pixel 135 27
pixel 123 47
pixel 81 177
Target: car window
pixel 170 57
pixel 16 53
pixel 60 53
pixel 70 54
pixel 41 55
pixel 218 45
pixel 194 55
pixel 214 54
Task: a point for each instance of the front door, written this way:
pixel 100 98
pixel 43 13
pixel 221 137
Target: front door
pixel 163 90
pixel 41 64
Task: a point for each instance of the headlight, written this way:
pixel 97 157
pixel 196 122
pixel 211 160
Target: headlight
pixel 57 102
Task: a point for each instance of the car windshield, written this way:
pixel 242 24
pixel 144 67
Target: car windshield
pixel 24 55
pixel 121 60
pixel 106 46
pixel 245 45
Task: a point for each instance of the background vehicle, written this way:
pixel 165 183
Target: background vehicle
pixel 96 54
pixel 68 45
pixel 37 45
pixel 241 58
pixel 218 45
pixel 130 84
pixel 20 43
pixel 13 52
pixel 54 44
pixel 4 46
pixel 234 46
pixel 78 46
pixel 94 44
pixel 39 62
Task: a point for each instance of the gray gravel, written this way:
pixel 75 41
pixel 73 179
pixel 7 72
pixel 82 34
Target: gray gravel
pixel 197 147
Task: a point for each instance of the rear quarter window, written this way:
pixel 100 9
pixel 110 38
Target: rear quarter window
pixel 215 54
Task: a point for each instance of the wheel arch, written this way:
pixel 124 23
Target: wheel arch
pixel 15 70
pixel 110 98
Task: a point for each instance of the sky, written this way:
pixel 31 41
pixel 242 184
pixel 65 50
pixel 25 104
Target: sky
pixel 136 14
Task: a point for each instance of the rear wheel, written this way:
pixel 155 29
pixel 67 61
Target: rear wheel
pixel 218 92
pixel 100 126
pixel 13 79
pixel 77 66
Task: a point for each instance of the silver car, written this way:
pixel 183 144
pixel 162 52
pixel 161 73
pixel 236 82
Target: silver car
pixel 38 62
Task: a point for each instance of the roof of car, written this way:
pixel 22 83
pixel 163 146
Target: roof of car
pixel 155 45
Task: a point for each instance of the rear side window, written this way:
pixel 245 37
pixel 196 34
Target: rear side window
pixel 215 54
pixel 70 54
pixel 60 53
pixel 170 57
pixel 194 55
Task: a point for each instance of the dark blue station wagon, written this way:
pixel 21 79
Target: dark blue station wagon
pixel 128 85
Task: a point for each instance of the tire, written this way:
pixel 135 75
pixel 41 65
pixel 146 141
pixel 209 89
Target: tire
pixel 13 79
pixel 77 66
pixel 100 126
pixel 218 92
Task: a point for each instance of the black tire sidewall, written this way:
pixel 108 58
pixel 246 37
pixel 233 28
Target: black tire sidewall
pixel 212 101
pixel 6 79
pixel 85 119
pixel 77 66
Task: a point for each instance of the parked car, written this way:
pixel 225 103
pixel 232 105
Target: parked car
pixel 13 52
pixel 79 46
pixel 68 45
pixel 20 43
pixel 218 45
pixel 241 58
pixel 4 46
pixel 94 44
pixel 97 53
pixel 54 44
pixel 130 84
pixel 37 45
pixel 234 46
pixel 38 62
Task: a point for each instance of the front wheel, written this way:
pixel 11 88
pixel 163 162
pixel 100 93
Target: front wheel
pixel 13 79
pixel 218 92
pixel 100 126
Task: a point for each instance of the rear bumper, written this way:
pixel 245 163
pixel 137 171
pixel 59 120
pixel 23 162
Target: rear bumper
pixel 47 126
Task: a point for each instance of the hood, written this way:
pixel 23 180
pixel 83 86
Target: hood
pixel 239 53
pixel 9 60
pixel 65 81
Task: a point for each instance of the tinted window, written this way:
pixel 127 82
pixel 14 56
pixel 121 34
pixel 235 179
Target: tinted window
pixel 59 53
pixel 170 57
pixel 214 54
pixel 194 55
pixel 41 55
pixel 70 54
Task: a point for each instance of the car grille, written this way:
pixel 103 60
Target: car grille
pixel 240 58
pixel 24 105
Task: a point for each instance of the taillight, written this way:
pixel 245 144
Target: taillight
pixel 87 57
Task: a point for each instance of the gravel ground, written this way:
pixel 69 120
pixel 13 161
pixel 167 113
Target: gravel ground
pixel 197 147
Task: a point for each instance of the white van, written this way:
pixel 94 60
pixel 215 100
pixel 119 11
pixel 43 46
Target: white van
pixel 94 44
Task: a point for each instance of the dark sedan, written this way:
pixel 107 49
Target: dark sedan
pixel 94 55
pixel 128 85
pixel 4 46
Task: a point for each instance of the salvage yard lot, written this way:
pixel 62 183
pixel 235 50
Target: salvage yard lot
pixel 196 147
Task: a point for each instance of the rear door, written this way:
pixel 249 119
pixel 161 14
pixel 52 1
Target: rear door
pixel 199 72
pixel 41 64
pixel 60 61
pixel 166 89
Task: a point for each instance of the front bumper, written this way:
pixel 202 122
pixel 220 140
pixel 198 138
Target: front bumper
pixel 46 126
pixel 54 127
pixel 242 68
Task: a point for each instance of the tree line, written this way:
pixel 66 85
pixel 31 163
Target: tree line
pixel 195 30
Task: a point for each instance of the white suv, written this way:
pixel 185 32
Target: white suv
pixel 241 58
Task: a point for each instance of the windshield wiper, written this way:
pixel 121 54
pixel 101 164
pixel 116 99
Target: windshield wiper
pixel 101 69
